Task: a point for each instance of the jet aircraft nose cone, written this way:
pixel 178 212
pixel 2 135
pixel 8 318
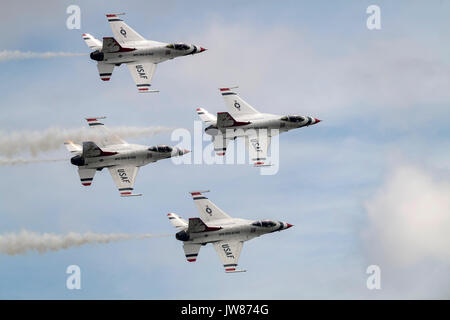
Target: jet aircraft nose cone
pixel 186 151
pixel 288 225
pixel 317 120
pixel 202 49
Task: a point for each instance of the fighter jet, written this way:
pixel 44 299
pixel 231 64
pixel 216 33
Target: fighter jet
pixel 242 120
pixel 129 47
pixel 214 226
pixel 122 159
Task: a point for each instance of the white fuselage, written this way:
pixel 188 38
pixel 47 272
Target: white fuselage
pixel 152 51
pixel 234 229
pixel 129 155
pixel 270 122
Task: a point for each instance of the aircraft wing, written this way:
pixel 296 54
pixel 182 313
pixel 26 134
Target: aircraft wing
pixel 124 178
pixel 142 73
pixel 105 137
pixel 236 105
pixel 208 211
pixel 229 252
pixel 257 149
pixel 123 33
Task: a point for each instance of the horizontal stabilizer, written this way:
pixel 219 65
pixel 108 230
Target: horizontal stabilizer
pixel 177 221
pixel 92 43
pixel 72 147
pixel 191 251
pixel 105 70
pixel 220 144
pixel 86 176
pixel 206 117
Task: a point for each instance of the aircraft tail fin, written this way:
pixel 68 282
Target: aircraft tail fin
pixel 90 149
pixel 92 43
pixel 110 45
pixel 206 117
pixel 197 225
pixel 177 221
pixel 224 120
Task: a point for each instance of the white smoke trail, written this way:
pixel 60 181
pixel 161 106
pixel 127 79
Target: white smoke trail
pixel 6 55
pixel 16 161
pixel 53 138
pixel 24 241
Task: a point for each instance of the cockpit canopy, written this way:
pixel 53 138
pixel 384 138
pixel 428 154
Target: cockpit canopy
pixel 160 148
pixel 179 46
pixel 264 224
pixel 293 118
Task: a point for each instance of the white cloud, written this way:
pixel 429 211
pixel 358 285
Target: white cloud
pixel 408 231
pixel 409 217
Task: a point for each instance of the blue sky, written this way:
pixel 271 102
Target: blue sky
pixel 382 95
